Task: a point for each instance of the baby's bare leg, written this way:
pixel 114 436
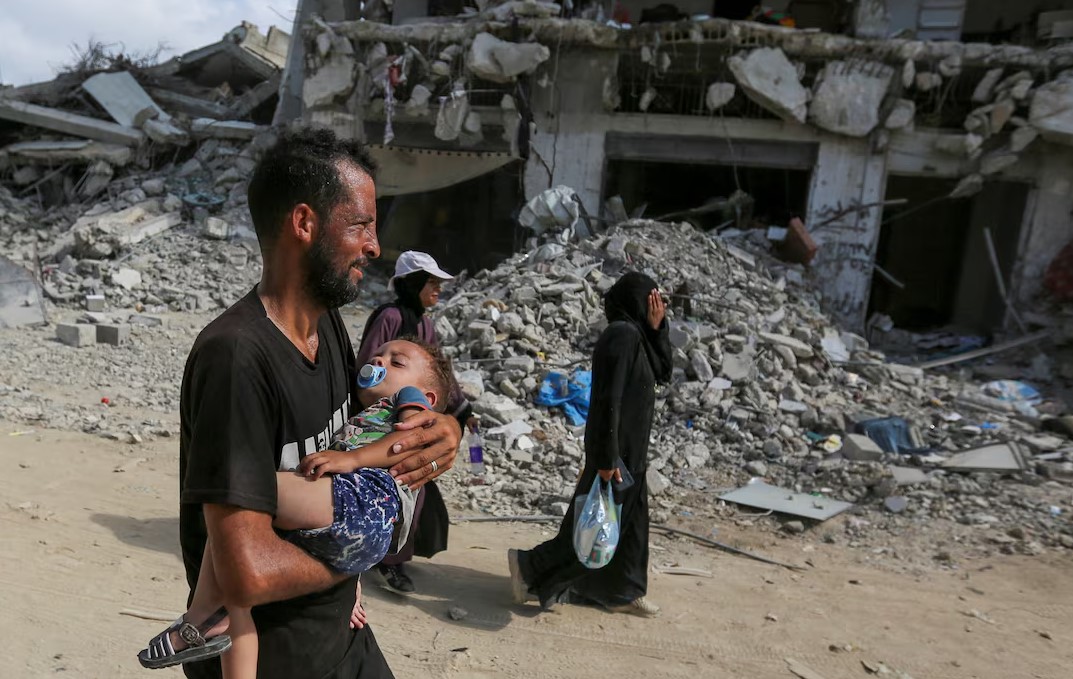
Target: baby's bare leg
pixel 302 503
pixel 240 661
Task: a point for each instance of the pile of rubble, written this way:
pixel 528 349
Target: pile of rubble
pixel 125 182
pixel 764 386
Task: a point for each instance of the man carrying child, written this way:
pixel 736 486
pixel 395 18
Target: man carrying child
pixel 271 381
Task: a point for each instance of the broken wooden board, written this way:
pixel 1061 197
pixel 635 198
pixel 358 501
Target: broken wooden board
pixel 20 301
pixel 998 457
pixel 758 494
pixel 69 123
pixel 75 150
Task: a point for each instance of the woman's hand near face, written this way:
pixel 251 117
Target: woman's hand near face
pixel 657 309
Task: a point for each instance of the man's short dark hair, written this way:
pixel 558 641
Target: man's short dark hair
pixel 301 167
pixel 440 372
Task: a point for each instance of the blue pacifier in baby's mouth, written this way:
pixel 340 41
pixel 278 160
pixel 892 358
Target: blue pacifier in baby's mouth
pixel 371 375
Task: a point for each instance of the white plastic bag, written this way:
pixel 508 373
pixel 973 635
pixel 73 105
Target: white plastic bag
pixel 596 525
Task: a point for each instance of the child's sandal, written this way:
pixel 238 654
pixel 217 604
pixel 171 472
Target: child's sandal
pixel 161 653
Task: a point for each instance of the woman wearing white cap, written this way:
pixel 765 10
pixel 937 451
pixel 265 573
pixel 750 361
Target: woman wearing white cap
pixel 417 283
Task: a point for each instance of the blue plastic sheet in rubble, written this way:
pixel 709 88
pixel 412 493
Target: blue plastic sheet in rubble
pixel 891 434
pixel 571 393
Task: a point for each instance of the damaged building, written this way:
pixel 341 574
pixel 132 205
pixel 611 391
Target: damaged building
pixel 916 163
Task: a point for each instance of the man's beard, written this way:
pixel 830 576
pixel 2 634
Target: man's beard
pixel 329 287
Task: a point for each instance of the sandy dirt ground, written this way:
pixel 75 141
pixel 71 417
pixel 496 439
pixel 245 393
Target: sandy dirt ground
pixel 88 529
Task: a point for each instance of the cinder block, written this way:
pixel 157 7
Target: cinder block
pixel 145 319
pixel 861 448
pixel 113 333
pixel 76 334
pixel 94 303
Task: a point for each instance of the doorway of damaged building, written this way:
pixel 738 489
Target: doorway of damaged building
pixel 469 225
pixel 936 250
pixel 693 179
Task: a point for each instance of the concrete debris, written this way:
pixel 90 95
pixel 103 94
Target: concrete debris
pixel 1022 138
pixel 719 95
pixel 997 161
pixel 500 61
pixel 763 496
pixel 969 185
pixel 69 123
pixel 902 115
pixel 1051 111
pixel 76 334
pixel 860 448
pixel 452 114
pixel 769 79
pixel 986 87
pixel 926 81
pixel 753 375
pixel 1000 457
pixel 101 235
pixel 964 145
pixel 848 95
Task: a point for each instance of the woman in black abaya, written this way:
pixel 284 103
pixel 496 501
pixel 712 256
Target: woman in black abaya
pixel 632 354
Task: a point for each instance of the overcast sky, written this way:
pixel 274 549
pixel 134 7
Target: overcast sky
pixel 36 35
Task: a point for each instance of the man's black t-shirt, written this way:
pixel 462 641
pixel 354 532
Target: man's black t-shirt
pixel 252 404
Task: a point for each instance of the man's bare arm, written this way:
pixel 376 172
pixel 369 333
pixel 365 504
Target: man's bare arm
pixel 253 565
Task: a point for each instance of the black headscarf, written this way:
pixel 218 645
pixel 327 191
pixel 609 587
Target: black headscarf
pixel 627 300
pixel 407 301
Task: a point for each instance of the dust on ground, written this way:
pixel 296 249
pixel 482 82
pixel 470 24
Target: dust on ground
pixel 89 529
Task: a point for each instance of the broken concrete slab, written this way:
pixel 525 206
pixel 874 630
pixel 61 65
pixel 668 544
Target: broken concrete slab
pixel 101 235
pixel 860 448
pixel 69 123
pixel 769 79
pixel 501 61
pixel 1051 111
pixel 123 98
pixel 334 80
pixel 908 476
pixel 848 96
pixel 146 320
pixel 20 301
pixel 76 334
pixel 997 457
pixel 76 151
pixel 800 349
pixel 126 278
pixel 762 496
pixel 163 132
pixel 191 106
pixel 224 129
pixel 1044 443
